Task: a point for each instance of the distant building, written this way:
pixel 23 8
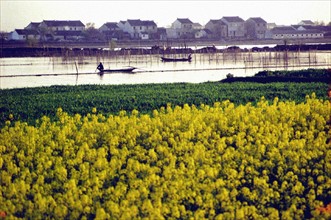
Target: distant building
pixel 203 34
pixel 218 28
pixel 109 26
pixel 67 35
pixel 306 22
pixel 112 31
pixel 326 30
pixel 197 26
pixel 256 28
pixel 139 29
pixel 181 28
pixel 121 24
pixel 33 26
pixel 235 26
pixel 289 32
pixel 161 34
pixel 55 25
pixel 271 26
pixel 24 34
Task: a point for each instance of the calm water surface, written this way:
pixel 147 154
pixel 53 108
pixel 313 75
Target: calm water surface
pixel 48 71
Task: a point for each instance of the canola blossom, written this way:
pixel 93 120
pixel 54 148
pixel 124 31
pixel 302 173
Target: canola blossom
pixel 271 160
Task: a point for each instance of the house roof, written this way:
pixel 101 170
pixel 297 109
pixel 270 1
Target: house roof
pixel 217 21
pixel 283 28
pixel 26 32
pixel 161 31
pixel 34 25
pixel 257 20
pixel 208 31
pixel 184 20
pixel 111 25
pixel 310 27
pixel 139 22
pixel 197 24
pixel 307 22
pixel 56 23
pixel 233 19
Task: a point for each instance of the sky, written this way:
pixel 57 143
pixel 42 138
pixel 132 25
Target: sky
pixel 17 14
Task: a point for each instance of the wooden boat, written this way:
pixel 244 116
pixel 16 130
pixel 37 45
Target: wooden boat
pixel 167 59
pixel 122 70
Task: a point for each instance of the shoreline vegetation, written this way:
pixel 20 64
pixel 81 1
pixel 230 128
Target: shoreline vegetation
pixel 155 47
pixel 30 104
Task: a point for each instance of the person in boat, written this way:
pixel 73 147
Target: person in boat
pixel 100 67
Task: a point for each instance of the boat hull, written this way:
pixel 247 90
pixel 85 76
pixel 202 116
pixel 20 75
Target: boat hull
pixel 165 59
pixel 125 70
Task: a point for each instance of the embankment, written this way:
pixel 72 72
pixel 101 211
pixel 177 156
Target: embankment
pixel 21 49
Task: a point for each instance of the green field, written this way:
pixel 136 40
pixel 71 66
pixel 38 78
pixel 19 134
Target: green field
pixel 29 104
pixel 215 150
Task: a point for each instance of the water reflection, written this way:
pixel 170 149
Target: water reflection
pixel 47 71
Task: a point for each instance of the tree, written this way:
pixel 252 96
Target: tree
pixel 92 34
pixel 3 35
pixel 319 23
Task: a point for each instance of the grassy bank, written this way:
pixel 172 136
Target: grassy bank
pixel 32 103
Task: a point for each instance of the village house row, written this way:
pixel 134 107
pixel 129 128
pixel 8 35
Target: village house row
pixel 182 28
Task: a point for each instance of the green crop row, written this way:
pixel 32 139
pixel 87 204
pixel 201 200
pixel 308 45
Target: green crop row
pixel 29 104
pixel 308 73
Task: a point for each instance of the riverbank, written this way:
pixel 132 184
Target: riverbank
pixel 22 49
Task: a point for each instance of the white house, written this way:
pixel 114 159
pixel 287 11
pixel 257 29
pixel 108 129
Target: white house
pixel 197 26
pixel 306 22
pixel 235 26
pixel 109 26
pixel 33 26
pixel 203 33
pixel 23 34
pixel 256 28
pixel 139 29
pixel 289 32
pixel 218 28
pixel 181 28
pixel 55 25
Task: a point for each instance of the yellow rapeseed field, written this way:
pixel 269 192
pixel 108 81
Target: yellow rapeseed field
pixel 272 160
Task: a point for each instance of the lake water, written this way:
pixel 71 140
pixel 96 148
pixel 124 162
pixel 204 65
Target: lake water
pixel 48 71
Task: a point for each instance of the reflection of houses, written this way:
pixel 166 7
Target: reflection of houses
pixel 139 29
pixel 235 26
pixel 111 30
pixel 289 32
pixel 181 28
pixel 23 34
pixel 218 28
pixel 256 28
